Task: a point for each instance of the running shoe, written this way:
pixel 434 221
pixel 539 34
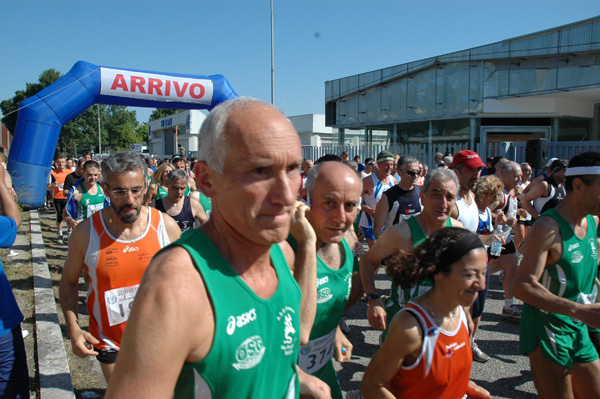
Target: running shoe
pixel 478 354
pixel 512 311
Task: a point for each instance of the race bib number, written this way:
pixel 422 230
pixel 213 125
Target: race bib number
pixel 317 352
pixel 94 208
pixel 118 303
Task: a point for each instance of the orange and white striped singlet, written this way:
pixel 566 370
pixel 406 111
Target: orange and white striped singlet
pixel 115 268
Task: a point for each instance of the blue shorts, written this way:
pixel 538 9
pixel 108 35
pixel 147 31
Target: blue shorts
pixel 14 375
pixel 368 233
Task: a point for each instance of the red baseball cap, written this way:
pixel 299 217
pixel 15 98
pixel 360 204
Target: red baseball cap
pixel 468 158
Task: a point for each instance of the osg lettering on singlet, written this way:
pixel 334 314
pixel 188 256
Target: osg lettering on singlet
pixel 249 353
pixel 323 294
pixel 240 321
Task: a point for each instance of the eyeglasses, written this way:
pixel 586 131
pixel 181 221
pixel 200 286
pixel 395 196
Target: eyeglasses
pixel 413 173
pixel 123 192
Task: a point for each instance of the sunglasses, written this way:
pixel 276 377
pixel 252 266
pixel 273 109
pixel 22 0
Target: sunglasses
pixel 413 173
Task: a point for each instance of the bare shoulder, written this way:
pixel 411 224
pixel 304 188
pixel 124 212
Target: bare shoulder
pixel 456 223
pixel 289 254
pixel 405 329
pixel 172 227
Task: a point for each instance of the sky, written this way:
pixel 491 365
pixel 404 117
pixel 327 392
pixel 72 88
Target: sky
pixel 314 40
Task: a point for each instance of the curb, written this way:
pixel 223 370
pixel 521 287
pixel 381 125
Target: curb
pixel 55 376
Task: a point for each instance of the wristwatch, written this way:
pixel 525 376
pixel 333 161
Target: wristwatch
pixel 371 297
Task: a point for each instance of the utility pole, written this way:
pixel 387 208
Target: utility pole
pixel 272 60
pixel 99 137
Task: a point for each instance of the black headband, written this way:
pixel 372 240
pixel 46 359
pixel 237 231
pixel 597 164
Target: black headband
pixel 459 249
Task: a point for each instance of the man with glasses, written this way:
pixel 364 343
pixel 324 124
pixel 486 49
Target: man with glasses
pixel 557 280
pixel 182 209
pixel 114 246
pixel 401 201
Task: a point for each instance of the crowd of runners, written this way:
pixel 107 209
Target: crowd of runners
pixel 227 276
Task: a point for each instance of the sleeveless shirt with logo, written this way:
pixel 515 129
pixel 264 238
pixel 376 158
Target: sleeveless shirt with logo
pixel 115 268
pixel 371 200
pixel 443 367
pixel 90 203
pixel 333 291
pixel 56 176
pixel 572 277
pixel 255 347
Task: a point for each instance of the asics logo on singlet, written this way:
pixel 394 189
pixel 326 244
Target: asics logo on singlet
pixel 240 321
pixel 573 246
pixel 130 249
pixel 321 281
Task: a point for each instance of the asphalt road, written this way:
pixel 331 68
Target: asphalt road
pixel 505 375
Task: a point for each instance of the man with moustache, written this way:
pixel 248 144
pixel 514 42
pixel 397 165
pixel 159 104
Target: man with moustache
pixel 219 312
pixel 114 246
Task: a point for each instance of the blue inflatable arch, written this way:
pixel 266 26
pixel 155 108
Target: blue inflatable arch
pixel 42 116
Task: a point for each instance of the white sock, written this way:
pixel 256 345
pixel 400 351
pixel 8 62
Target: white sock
pixel 508 303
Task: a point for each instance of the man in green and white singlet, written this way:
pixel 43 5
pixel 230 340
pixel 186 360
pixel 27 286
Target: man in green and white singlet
pixel 222 312
pixel 557 280
pixel 438 198
pixel 88 195
pixel 334 190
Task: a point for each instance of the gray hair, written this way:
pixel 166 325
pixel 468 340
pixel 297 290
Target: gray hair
pixel 177 175
pixel 509 167
pixel 439 175
pixel 405 160
pixel 121 162
pixel 213 148
pixel 313 174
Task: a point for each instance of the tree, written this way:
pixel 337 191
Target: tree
pixel 162 112
pixel 47 77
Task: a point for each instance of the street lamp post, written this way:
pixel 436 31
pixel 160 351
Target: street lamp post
pixel 99 137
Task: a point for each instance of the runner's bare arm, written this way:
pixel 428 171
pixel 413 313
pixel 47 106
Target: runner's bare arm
pixel 397 237
pixel 171 323
pixel 357 290
pixel 173 229
pixel 544 248
pixel 304 267
pixel 198 211
pixel 381 212
pixel 403 340
pixel 535 191
pixel 69 290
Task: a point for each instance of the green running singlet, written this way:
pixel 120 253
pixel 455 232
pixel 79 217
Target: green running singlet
pixel 256 342
pixel 89 203
pixel 572 278
pixel 333 291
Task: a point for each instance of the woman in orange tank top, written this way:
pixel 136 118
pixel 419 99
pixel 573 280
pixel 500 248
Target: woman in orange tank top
pixel 427 351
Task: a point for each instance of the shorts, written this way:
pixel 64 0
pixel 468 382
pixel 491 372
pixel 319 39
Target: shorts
pixel 525 222
pixel 59 205
pixel 14 375
pixel 479 304
pixel 107 356
pixel 368 233
pixel 508 249
pixel 561 348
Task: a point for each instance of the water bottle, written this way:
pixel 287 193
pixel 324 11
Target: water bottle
pixel 496 247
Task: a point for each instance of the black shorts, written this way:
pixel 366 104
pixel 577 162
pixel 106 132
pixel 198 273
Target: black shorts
pixel 525 222
pixel 59 205
pixel 106 356
pixel 508 249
